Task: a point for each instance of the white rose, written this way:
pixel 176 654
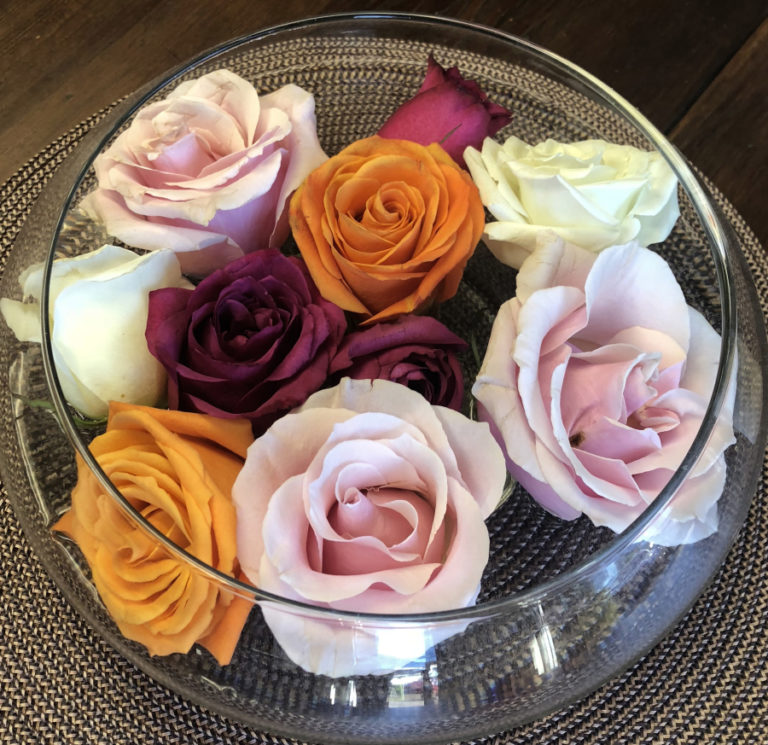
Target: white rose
pixel 592 194
pixel 98 314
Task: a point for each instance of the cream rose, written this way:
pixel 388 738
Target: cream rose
pixel 207 172
pixel 596 380
pixel 593 194
pixel 98 306
pixel 368 499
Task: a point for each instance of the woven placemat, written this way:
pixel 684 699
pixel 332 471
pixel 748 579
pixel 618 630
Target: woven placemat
pixel 707 682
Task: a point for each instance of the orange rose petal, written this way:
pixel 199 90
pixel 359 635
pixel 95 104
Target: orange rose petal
pixel 403 250
pixel 170 640
pixel 193 613
pixel 350 196
pixel 393 254
pixel 358 243
pixel 393 207
pixel 230 434
pixel 406 305
pixel 386 168
pixel 388 236
pixel 139 601
pixel 141 575
pixel 329 283
pixel 146 489
pixel 379 289
pixel 370 277
pixel 222 641
pixel 66 524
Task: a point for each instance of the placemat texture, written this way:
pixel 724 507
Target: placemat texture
pixel 707 682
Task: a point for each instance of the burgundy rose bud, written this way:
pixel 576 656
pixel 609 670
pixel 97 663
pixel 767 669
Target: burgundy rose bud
pixel 254 339
pixel 449 110
pixel 416 351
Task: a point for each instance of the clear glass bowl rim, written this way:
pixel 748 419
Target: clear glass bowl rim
pixel 711 223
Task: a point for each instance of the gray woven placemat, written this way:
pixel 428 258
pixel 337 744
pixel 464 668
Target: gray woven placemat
pixel 707 682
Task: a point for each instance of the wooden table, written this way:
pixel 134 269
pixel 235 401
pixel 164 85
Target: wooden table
pixel 697 68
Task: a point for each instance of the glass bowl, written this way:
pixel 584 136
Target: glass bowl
pixel 563 606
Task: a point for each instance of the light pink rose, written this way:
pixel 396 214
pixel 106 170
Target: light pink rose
pixel 596 379
pixel 208 170
pixel 369 499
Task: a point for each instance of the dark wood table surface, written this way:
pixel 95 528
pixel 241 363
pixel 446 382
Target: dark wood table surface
pixel 698 69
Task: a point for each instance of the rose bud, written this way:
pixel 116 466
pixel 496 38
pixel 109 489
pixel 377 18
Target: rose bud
pixel 448 110
pixel 592 194
pixel 366 499
pixel 97 317
pixel 176 469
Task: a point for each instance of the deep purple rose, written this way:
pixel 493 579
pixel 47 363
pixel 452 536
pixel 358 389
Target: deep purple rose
pixel 416 351
pixel 449 110
pixel 253 339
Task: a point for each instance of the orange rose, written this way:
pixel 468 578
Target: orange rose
pixel 177 470
pixel 387 226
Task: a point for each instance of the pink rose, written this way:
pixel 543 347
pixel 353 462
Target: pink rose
pixel 448 110
pixel 596 379
pixel 368 499
pixel 207 171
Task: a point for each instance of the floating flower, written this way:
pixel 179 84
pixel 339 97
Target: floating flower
pixel 593 194
pixel 448 110
pixel 176 469
pixel 415 351
pixel 208 171
pixel 387 226
pixel 253 339
pixel 596 380
pixel 98 313
pixel 367 498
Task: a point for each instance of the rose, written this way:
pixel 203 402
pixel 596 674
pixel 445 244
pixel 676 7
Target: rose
pixel 416 351
pixel 367 498
pixel 253 339
pixel 207 171
pixel 387 226
pixel 596 380
pixel 176 469
pixel 593 194
pixel 98 312
pixel 448 110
